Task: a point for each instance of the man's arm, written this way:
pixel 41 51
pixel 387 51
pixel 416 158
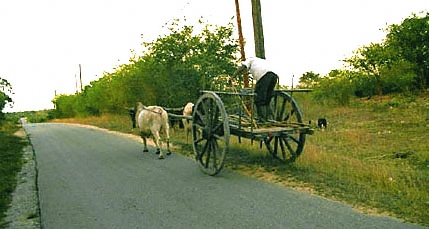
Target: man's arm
pixel 240 69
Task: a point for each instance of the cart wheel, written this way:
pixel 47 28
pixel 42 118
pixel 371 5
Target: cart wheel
pixel 210 131
pixel 287 146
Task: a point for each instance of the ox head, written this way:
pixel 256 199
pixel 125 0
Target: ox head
pixel 189 109
pixel 132 113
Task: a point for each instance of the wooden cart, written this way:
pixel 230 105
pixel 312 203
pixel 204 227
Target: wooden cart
pixel 218 115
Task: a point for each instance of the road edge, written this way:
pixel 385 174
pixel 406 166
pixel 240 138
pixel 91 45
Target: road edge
pixel 24 210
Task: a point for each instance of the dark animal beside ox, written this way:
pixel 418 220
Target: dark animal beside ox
pixel 322 123
pixel 175 122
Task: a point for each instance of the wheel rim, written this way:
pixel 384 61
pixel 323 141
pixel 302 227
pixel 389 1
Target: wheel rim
pixel 210 131
pixel 285 146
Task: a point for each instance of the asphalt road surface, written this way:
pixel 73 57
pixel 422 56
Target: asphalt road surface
pixel 88 178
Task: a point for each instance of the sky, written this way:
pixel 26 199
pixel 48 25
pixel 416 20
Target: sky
pixel 42 42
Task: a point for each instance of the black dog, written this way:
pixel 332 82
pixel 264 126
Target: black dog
pixel 322 123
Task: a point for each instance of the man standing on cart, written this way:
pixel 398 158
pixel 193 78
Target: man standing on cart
pixel 266 81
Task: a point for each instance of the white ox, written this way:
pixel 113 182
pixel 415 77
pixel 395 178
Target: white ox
pixel 152 120
pixel 187 123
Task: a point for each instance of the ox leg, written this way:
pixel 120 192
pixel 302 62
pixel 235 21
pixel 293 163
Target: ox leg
pixel 168 147
pixel 167 133
pixel 144 145
pixel 156 141
pixel 158 148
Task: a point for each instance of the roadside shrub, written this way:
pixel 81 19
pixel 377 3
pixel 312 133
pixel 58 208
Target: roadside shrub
pixel 336 88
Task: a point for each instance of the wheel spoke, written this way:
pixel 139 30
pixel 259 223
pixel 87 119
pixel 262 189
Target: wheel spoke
pixel 291 150
pixel 283 149
pixel 273 107
pixel 276 143
pixel 218 130
pixel 198 116
pixel 218 137
pixel 206 145
pixel 207 162
pixel 198 140
pixel 204 106
pixel 214 115
pixel 269 140
pixel 198 125
pixel 204 113
pixel 282 110
pixel 293 138
pixel 208 107
pixel 214 148
pixel 292 112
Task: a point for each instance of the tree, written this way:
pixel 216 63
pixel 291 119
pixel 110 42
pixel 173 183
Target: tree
pixel 5 89
pixel 190 61
pixel 399 63
pixel 309 80
pixel 369 62
pixel 337 87
pixel 409 41
pixel 65 106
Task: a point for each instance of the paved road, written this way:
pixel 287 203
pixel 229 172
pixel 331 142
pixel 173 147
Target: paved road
pixel 89 178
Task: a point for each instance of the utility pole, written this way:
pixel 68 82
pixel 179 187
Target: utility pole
pixel 241 41
pixel 55 96
pixel 257 29
pixel 80 76
pixel 77 90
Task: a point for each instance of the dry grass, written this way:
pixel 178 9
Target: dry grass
pixel 373 155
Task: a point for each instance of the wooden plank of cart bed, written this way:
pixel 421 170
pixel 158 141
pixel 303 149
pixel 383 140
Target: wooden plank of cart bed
pixel 264 130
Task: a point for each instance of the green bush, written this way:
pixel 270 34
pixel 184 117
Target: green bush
pixel 336 88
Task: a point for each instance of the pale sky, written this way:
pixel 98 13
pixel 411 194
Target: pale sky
pixel 42 42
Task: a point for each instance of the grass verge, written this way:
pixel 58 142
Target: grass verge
pixel 11 151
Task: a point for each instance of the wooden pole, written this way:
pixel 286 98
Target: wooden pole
pixel 241 41
pixel 80 76
pixel 77 90
pixel 257 29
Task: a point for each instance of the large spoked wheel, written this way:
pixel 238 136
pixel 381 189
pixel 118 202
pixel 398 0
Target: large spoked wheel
pixel 210 131
pixel 286 146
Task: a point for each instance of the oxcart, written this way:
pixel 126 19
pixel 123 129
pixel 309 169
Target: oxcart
pixel 219 114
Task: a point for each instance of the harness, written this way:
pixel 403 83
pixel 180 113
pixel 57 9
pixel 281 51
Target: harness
pixel 156 112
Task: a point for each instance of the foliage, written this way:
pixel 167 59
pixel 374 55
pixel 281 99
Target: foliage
pixel 337 87
pixel 31 116
pixel 309 80
pixel 400 63
pixel 5 89
pixel 369 62
pixel 171 72
pixel 409 42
